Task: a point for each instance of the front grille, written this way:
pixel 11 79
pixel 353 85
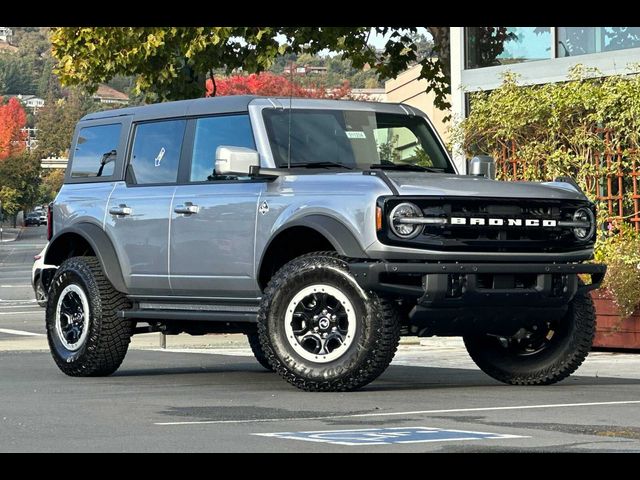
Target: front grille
pixel 490 238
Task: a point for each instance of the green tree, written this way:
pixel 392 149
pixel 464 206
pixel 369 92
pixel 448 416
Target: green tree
pixel 56 121
pixel 51 184
pixel 22 174
pixel 10 200
pixel 16 75
pixel 172 63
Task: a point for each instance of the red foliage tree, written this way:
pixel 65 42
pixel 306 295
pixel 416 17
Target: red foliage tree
pixel 12 119
pixel 270 84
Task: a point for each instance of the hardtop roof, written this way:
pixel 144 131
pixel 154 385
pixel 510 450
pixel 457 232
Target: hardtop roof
pixel 238 103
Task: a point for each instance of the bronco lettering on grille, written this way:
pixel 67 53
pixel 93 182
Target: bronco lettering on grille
pixel 504 222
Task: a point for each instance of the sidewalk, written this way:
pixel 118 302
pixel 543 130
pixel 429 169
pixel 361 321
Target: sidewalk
pixel 9 234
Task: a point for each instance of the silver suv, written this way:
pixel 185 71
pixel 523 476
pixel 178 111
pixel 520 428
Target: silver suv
pixel 324 230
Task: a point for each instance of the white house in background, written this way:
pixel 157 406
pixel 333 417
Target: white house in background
pixel 106 94
pixel 54 162
pixel 31 101
pixel 537 54
pixel 6 34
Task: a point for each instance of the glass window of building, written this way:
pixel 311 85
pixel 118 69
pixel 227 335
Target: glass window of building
pixel 572 41
pixel 490 46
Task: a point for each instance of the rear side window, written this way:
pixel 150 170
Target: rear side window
pixel 156 152
pixel 95 153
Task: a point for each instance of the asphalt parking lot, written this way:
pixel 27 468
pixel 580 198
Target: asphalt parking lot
pixel 208 394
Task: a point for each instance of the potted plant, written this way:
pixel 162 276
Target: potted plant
pixel 618 302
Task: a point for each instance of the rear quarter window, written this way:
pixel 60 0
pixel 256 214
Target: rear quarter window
pixel 95 151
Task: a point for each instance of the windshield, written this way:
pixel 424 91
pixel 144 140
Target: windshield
pixel 353 139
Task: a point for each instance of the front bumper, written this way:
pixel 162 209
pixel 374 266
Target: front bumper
pixel 479 284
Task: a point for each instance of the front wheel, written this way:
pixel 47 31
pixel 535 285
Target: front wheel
pixel 256 348
pixel 320 330
pixel 542 355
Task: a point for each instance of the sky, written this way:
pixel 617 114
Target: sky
pixel 378 41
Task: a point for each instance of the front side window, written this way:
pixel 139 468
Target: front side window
pixel 211 132
pixel 96 151
pixel 156 152
pixel 353 139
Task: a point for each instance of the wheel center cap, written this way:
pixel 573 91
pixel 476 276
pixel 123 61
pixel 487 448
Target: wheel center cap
pixel 324 323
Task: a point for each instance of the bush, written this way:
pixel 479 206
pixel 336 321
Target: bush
pixel 620 250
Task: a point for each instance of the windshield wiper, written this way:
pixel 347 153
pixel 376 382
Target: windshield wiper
pixel 406 167
pixel 321 165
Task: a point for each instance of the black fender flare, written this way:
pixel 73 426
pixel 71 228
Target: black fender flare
pixel 340 237
pixel 100 244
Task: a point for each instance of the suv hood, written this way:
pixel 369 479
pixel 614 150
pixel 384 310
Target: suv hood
pixel 437 184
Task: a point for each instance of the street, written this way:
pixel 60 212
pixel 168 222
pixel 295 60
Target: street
pixel 209 394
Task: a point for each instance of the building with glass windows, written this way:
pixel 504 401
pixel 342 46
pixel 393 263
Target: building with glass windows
pixel 481 55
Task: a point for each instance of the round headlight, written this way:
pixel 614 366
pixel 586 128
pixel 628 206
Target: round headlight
pixel 405 210
pixel 585 216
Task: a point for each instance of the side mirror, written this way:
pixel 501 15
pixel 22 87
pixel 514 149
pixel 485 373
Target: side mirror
pixel 483 166
pixel 236 161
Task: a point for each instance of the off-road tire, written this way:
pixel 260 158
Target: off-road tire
pixel 256 348
pixel 108 336
pixel 377 327
pixel 559 360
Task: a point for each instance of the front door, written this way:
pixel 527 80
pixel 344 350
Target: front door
pixel 213 219
pixel 138 211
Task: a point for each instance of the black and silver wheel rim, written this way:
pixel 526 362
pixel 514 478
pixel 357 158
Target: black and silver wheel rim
pixel 320 323
pixel 72 317
pixel 531 341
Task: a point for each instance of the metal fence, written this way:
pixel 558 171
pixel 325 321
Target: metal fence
pixel 616 182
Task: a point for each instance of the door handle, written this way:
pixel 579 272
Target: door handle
pixel 120 210
pixel 188 208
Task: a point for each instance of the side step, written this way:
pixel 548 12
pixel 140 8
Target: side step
pixel 190 315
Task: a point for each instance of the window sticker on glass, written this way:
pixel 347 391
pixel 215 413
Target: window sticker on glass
pixel 159 157
pixel 355 134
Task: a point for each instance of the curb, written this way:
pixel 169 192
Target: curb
pixel 17 235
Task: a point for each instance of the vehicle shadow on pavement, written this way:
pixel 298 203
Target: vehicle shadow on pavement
pixel 395 378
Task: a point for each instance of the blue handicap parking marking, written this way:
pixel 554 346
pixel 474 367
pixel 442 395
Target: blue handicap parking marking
pixel 387 436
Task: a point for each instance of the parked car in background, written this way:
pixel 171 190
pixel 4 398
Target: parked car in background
pixel 33 219
pixel 41 275
pixel 42 215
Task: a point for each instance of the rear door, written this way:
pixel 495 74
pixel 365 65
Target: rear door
pixel 138 210
pixel 212 246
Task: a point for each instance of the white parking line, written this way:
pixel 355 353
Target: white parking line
pixel 20 332
pixel 415 412
pixel 31 312
pixel 22 285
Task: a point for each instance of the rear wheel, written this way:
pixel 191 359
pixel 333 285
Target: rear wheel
pixel 320 331
pixel 86 337
pixel 541 355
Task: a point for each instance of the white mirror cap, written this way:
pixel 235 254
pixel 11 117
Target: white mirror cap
pixel 235 160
